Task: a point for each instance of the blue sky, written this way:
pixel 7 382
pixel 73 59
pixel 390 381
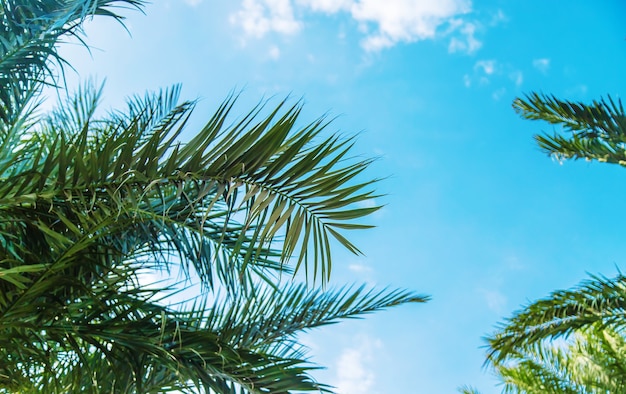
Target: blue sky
pixel 475 215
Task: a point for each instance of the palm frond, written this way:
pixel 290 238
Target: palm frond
pixel 589 361
pixel 599 301
pixel 468 390
pixel 96 329
pixel 264 172
pixel 270 316
pixel 30 32
pixel 589 358
pixel 89 201
pixel 595 131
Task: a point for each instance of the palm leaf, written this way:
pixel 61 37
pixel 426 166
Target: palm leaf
pixel 290 189
pixel 595 131
pixel 89 202
pixel 599 301
pixel 589 359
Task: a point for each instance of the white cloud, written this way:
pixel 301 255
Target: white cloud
pixel 384 23
pixel 327 6
pixel 274 52
pixel 355 372
pixel 193 3
pixel 369 203
pixel 483 70
pixel 542 64
pixel 498 94
pixel 498 18
pixel 490 71
pixel 517 77
pixel 360 268
pixel 259 17
pixel 487 66
pixel 404 20
pixel 467 80
pixel 469 44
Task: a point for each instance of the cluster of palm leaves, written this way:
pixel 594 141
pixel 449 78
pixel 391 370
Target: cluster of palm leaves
pixel 92 204
pixel 573 341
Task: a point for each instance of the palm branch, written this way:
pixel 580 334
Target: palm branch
pixel 596 302
pixel 592 361
pixel 572 341
pixel 589 359
pixel 595 131
pixel 89 202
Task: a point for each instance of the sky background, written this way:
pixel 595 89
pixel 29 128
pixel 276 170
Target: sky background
pixel 475 215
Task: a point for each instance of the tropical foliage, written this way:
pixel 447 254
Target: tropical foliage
pixel 93 203
pixel 595 131
pixel 572 341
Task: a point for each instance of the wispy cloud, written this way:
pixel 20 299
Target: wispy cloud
pixel 327 6
pixel 542 64
pixel 355 371
pixel 384 24
pixel 467 42
pixel 397 21
pixel 467 80
pixel 274 52
pixel 193 3
pixel 498 17
pixel 498 93
pixel 517 77
pixel 490 72
pixel 359 268
pixel 487 66
pixel 259 17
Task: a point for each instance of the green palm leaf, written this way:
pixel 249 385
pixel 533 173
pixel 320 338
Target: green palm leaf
pixel 599 301
pixel 595 131
pixel 588 356
pixel 279 183
pixel 90 202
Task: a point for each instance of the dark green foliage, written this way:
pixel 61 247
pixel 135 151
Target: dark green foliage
pixel 595 131
pixel 89 204
pixel 572 341
pixel 590 353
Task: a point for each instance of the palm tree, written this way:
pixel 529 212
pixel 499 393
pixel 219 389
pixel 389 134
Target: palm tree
pixel 90 203
pixel 570 342
pixel 573 341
